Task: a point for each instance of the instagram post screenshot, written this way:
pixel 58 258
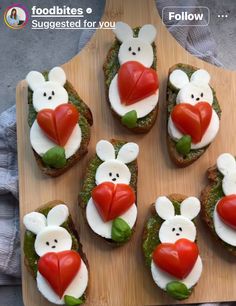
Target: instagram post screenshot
pixel 118 152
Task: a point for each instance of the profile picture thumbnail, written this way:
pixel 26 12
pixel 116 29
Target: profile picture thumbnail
pixel 16 16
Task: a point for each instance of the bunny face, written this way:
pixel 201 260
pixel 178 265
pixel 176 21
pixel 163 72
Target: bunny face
pixel 176 227
pixel 50 237
pixel 135 48
pixel 48 94
pixel 226 164
pixel 115 169
pixel 192 91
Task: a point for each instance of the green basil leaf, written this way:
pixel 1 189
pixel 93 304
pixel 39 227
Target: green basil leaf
pixel 71 301
pixel 130 119
pixel 55 157
pixel 177 290
pixel 120 231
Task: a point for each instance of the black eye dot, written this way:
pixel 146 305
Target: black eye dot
pixel 53 93
pixel 173 229
pixel 180 228
pixel 192 96
pixel 55 240
pixel 110 174
pixel 130 49
pixel 117 175
pixel 139 48
pixel 202 94
pixel 47 243
pixel 44 94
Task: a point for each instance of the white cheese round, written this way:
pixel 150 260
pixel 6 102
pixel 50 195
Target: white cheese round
pixel 41 143
pixel 104 228
pixel 225 232
pixel 229 184
pixel 207 138
pixel 162 278
pixel 142 107
pixel 75 289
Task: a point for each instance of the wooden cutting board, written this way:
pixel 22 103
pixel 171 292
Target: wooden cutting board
pixel 119 276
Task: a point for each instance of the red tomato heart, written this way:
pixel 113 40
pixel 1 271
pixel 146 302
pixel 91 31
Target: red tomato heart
pixel 112 200
pixel 59 269
pixel 59 123
pixel 176 258
pixel 192 120
pixel 226 209
pixel 136 82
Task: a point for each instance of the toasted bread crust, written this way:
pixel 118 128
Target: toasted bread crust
pixel 151 116
pixel 83 149
pixel 51 204
pixel 212 175
pixel 177 158
pixel 83 205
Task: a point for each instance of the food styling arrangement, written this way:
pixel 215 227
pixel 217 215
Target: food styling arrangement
pixel 163 235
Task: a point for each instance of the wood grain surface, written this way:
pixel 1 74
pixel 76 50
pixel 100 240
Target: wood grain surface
pixel 119 276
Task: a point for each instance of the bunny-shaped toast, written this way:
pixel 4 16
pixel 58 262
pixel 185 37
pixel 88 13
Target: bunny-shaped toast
pixel 130 76
pixel 219 201
pixel 193 113
pixel 59 121
pixel 60 265
pixel 109 190
pixel 169 245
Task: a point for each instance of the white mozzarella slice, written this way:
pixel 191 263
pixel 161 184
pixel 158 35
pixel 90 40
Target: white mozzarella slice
pixel 162 278
pixel 178 78
pixel 229 184
pixel 200 75
pixel 207 138
pixel 58 215
pixel 104 228
pixel 183 228
pixel 143 107
pixel 76 288
pixel 35 222
pixel 52 239
pixel 128 152
pixel 226 163
pixel 114 171
pixel 164 208
pixel 225 232
pixel 41 143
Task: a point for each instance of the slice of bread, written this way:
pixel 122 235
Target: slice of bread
pixel 85 121
pixel 89 183
pixel 210 195
pixel 30 256
pixel 150 238
pixel 110 68
pixel 193 155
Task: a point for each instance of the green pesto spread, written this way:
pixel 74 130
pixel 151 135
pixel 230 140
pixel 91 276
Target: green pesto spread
pixel 171 98
pixel 112 66
pixel 89 181
pixel 29 239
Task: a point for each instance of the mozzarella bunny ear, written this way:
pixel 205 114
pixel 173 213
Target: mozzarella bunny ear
pixel 226 163
pixel 147 33
pixel 128 152
pixel 35 79
pixel 178 78
pixel 58 75
pixel 164 208
pixel 190 208
pixel 35 222
pixel 201 76
pixel 123 31
pixel 58 215
pixel 105 150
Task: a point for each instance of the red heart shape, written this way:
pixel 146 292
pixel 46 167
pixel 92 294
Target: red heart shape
pixel 136 82
pixel 226 208
pixel 176 258
pixel 192 120
pixel 59 269
pixel 112 200
pixel 59 123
